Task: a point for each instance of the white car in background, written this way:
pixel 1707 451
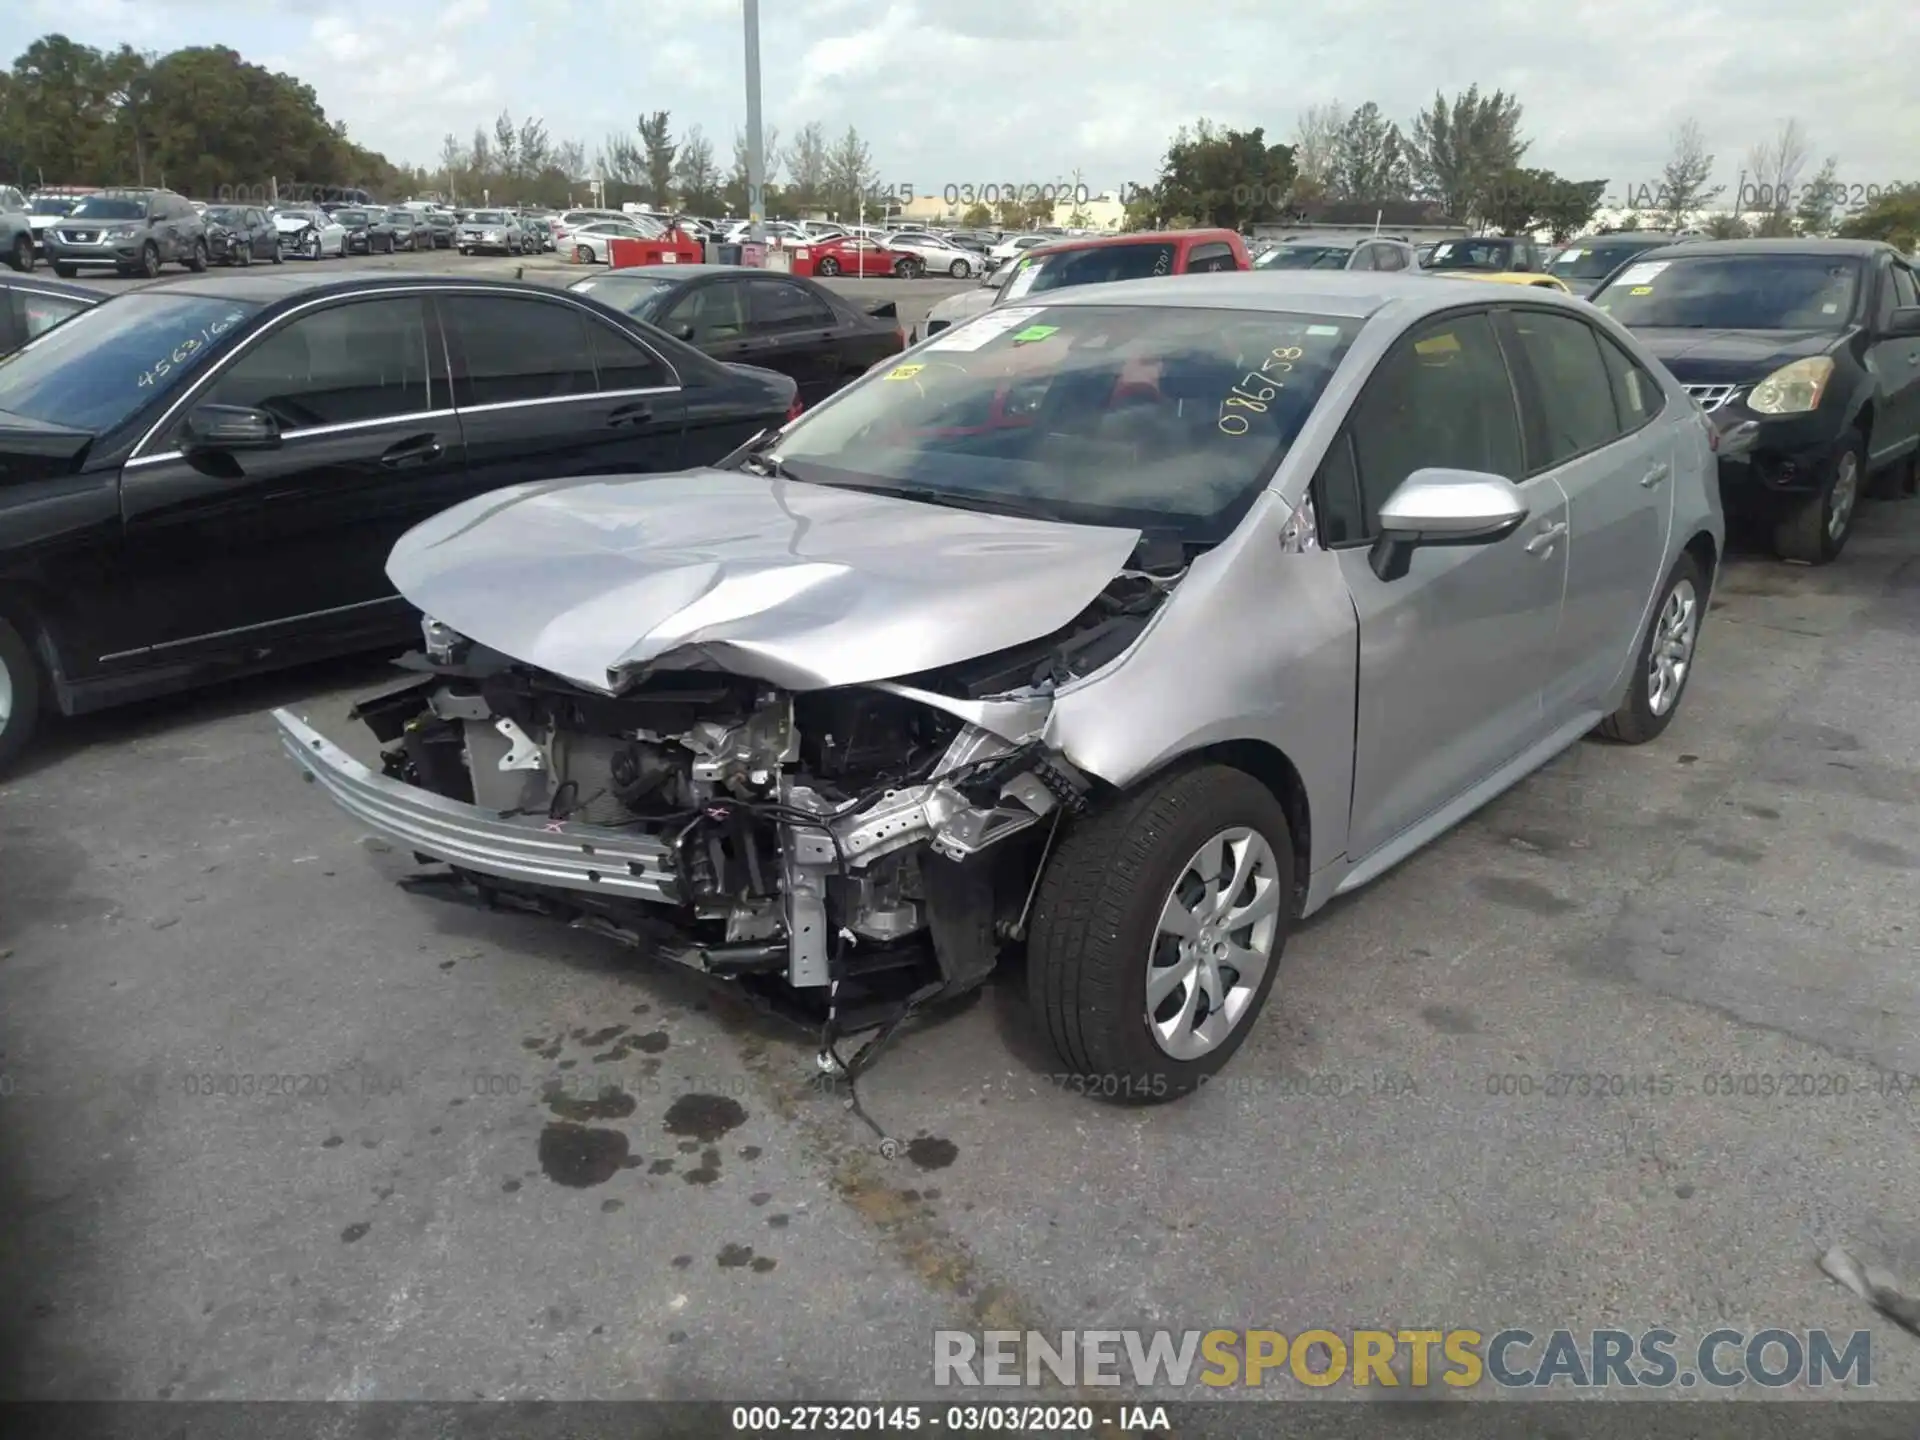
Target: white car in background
pixel 1016 245
pixel 590 243
pixel 46 211
pixel 773 230
pixel 309 234
pixel 938 255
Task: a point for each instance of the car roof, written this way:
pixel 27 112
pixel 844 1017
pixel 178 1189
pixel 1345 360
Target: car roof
pixel 1786 245
pixel 683 272
pixel 272 285
pixel 1341 294
pixel 1133 237
pixel 52 287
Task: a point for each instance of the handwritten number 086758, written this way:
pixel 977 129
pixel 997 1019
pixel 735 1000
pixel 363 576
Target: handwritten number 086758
pixel 1255 390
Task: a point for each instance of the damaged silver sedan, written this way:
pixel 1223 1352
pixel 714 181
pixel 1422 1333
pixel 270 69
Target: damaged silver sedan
pixel 1120 632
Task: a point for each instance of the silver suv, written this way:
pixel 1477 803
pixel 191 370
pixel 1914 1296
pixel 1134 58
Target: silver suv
pixel 16 229
pixel 131 231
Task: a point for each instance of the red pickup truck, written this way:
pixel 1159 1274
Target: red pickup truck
pixel 1095 260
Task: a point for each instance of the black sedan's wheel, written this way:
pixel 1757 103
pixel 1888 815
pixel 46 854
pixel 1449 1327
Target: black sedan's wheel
pixel 1157 932
pixel 278 258
pixel 828 266
pixel 1665 662
pixel 1816 532
pixel 19 694
pixel 21 256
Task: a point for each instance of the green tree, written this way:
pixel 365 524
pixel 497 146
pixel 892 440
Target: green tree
pixel 1369 160
pixel 850 174
pixel 1684 187
pixel 1456 147
pixel 695 175
pixel 1728 227
pixel 807 168
pixel 1211 175
pixel 1820 199
pixel 978 217
pixel 1892 216
pixel 656 143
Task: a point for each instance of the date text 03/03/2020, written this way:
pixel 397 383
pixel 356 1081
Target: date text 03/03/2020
pixel 887 1419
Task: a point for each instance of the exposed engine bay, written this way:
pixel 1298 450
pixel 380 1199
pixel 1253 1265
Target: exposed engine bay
pixel 862 849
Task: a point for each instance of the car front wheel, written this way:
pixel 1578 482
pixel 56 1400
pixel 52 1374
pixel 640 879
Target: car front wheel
pixel 21 256
pixel 1158 930
pixel 19 694
pixel 828 266
pixel 1816 532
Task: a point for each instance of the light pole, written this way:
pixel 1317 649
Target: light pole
pixel 756 136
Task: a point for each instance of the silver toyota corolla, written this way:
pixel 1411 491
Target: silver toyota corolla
pixel 1123 630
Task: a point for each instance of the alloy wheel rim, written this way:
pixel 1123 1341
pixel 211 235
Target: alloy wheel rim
pixel 6 696
pixel 1846 490
pixel 1213 943
pixel 1674 633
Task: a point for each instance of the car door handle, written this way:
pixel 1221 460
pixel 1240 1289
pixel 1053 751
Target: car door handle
pixel 1654 476
pixel 415 450
pixel 639 413
pixel 1543 542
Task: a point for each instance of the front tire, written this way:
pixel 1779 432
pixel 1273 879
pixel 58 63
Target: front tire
pixel 150 260
pixel 828 266
pixel 19 694
pixel 960 270
pixel 1158 930
pixel 197 257
pixel 1664 662
pixel 21 256
pixel 1816 532
pixel 65 272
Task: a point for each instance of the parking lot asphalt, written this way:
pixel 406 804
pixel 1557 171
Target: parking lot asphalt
pixel 271 1126
pixel 914 297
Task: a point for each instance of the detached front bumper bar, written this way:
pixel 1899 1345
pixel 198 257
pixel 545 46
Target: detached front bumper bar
pixel 532 849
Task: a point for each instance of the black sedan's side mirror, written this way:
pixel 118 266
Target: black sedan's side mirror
pixel 1905 324
pixel 228 428
pixel 684 332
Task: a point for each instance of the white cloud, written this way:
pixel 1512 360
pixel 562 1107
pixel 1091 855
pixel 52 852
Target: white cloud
pixel 968 91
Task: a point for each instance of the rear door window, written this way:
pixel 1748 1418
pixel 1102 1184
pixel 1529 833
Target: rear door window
pixel 1572 410
pixel 1214 255
pixel 515 348
pixel 775 307
pixel 716 313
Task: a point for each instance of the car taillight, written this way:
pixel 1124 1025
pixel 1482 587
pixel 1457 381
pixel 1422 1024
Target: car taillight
pixel 793 410
pixel 902 333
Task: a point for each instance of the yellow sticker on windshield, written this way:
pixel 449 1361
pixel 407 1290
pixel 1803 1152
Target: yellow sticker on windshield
pixel 904 372
pixel 1641 290
pixel 1437 345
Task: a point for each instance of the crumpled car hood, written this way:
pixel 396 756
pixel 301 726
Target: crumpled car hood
pixel 804 586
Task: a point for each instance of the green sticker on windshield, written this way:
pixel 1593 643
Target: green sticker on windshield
pixel 1035 332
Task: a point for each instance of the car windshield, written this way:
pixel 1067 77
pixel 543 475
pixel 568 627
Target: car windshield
pixel 1596 259
pixel 225 215
pixel 54 207
pixel 631 293
pixel 109 207
pixel 1166 419
pixel 1734 292
pixel 1095 265
pixel 351 217
pixel 1305 257
pixel 1491 255
pixel 101 366
pixel 489 217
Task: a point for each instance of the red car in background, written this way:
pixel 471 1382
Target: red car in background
pixel 851 255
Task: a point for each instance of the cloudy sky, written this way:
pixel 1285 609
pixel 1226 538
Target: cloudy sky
pixel 956 92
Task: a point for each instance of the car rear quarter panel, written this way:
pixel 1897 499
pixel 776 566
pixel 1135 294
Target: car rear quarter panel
pixel 1256 645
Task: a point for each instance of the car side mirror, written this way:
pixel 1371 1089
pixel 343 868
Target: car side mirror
pixel 1905 324
pixel 1444 507
pixel 684 332
pixel 228 428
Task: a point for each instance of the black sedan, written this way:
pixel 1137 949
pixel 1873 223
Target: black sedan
pixel 784 322
pixel 240 235
pixel 206 478
pixel 1805 355
pixel 30 306
pixel 410 230
pixel 369 232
